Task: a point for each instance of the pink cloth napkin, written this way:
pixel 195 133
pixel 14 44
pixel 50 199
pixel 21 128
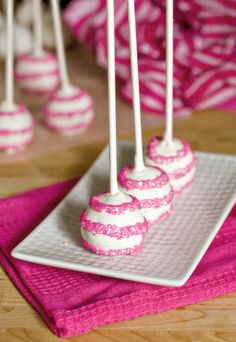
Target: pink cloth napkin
pixel 72 303
pixel 204 49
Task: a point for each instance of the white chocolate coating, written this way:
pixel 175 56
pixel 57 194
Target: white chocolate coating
pixel 149 173
pixel 69 115
pixel 37 75
pixel 164 150
pixel 127 217
pixel 23 41
pixel 106 242
pixel 16 129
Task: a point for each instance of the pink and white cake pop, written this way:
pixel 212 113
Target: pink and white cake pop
pixel 37 73
pixel 177 160
pixel 113 225
pixel 69 111
pixel 16 128
pixel 151 186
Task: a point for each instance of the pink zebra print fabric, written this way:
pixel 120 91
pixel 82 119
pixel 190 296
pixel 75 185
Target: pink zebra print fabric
pixel 204 49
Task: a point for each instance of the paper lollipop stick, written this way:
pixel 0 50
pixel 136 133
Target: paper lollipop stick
pixel 112 97
pixel 9 55
pixel 139 164
pixel 60 44
pixel 38 30
pixel 169 71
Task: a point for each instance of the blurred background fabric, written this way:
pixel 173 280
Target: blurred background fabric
pixel 204 49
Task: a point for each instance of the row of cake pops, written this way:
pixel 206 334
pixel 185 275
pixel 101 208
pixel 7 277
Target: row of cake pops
pixel 69 109
pixel 115 222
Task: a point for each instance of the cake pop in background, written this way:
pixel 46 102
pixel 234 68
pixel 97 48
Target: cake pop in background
pixel 37 72
pixel 16 123
pixel 24 16
pixel 149 184
pixel 22 38
pixel 113 223
pixel 172 155
pixel 70 110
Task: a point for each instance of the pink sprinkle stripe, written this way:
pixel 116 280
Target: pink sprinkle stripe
pixel 146 184
pixel 162 217
pixel 152 152
pixel 112 230
pixel 114 209
pixel 111 252
pixel 157 202
pixel 184 171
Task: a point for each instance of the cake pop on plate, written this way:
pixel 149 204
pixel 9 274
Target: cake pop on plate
pixel 174 156
pixel 176 159
pixel 150 185
pixel 16 123
pixel 37 72
pixel 113 223
pixel 70 110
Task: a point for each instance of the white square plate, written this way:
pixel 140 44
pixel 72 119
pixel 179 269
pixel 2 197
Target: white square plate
pixel 172 249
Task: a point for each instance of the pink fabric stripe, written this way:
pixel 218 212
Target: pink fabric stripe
pixel 200 29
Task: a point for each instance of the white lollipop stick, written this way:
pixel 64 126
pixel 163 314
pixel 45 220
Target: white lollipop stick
pixel 38 30
pixel 112 97
pixel 60 45
pixel 169 71
pixel 9 55
pixel 139 163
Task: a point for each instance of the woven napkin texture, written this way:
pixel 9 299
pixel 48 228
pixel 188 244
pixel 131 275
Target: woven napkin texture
pixel 72 303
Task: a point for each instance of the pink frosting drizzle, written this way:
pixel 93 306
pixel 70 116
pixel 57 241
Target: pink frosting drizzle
pixel 146 184
pixel 117 209
pixel 112 230
pixel 111 252
pixel 153 155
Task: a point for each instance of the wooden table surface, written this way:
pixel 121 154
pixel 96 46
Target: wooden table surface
pixel 213 320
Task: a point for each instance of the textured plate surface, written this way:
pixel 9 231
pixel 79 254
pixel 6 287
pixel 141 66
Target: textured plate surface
pixel 172 249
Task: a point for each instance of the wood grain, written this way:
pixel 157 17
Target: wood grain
pixel 210 321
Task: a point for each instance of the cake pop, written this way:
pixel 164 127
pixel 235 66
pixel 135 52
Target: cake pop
pixel 22 40
pixel 37 73
pixel 172 155
pixel 150 185
pixel 113 222
pixel 16 123
pixel 70 110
